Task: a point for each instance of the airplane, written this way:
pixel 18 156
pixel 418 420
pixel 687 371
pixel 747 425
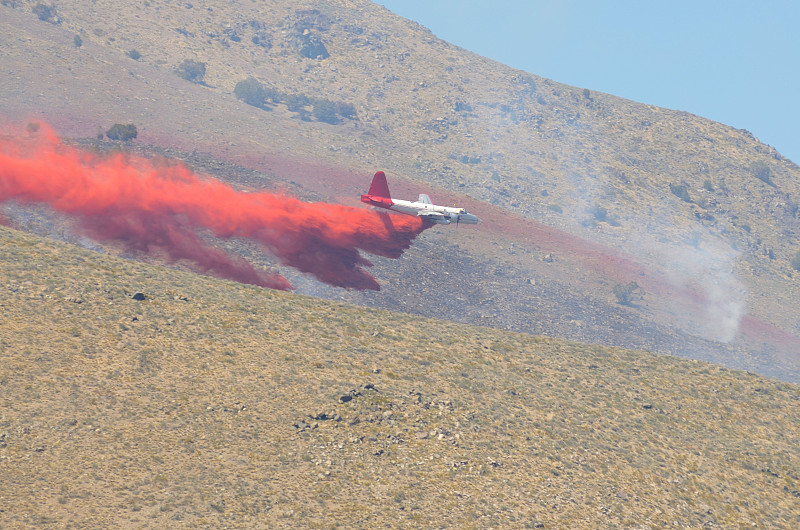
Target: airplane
pixel 378 195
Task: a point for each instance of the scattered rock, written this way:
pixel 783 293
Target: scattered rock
pixel 324 416
pixel 302 425
pixel 349 396
pixel 647 406
pixel 139 296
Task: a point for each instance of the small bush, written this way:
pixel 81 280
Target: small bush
pixel 122 132
pixel 251 92
pixel 78 41
pixel 46 13
pixel 192 70
pixel 762 172
pixel 625 293
pixel 680 191
pixel 346 110
pixel 599 213
pixel 796 261
pixel 134 54
pixel 325 111
pixel 296 102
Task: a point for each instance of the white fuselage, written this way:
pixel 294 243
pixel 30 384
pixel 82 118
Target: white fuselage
pixel 434 212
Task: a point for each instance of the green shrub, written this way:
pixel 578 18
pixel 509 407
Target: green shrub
pixel 46 13
pixel 762 172
pixel 625 293
pixel 134 54
pixel 192 70
pixel 325 111
pixel 78 41
pixel 346 110
pixel 296 102
pixel 599 213
pixel 251 92
pixel 680 191
pixel 796 261
pixel 125 132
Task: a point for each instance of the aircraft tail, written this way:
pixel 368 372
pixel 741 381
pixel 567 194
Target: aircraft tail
pixel 379 186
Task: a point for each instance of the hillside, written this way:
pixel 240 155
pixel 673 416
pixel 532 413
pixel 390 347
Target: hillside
pixel 571 183
pixel 213 403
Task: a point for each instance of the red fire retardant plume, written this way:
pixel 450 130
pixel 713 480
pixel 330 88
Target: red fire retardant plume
pixel 156 207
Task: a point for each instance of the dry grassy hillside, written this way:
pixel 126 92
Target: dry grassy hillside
pixel 701 203
pixel 216 404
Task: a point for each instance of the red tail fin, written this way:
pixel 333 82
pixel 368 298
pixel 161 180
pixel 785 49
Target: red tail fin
pixel 379 187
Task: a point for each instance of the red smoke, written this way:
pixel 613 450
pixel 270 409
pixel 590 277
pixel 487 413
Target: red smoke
pixel 156 207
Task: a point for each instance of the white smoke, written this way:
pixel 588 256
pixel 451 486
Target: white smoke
pixel 704 270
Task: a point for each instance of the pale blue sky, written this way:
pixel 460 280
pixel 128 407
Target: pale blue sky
pixel 736 62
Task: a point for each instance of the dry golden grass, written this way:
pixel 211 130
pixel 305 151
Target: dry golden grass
pixel 216 404
pixel 465 128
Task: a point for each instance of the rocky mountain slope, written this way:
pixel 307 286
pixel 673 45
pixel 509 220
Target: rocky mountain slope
pixel 571 182
pixel 135 395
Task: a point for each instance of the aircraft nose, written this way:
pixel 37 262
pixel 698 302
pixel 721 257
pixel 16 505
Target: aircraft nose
pixel 469 218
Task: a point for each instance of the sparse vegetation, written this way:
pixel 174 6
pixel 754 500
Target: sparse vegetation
pixel 415 422
pixel 135 55
pixel 796 261
pixel 123 132
pixel 762 172
pixel 680 191
pixel 251 92
pixel 191 70
pixel 599 213
pixel 255 93
pixel 46 13
pixel 78 41
pixel 325 111
pixel 626 293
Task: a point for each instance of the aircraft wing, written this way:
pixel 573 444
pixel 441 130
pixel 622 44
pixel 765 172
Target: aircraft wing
pixel 433 216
